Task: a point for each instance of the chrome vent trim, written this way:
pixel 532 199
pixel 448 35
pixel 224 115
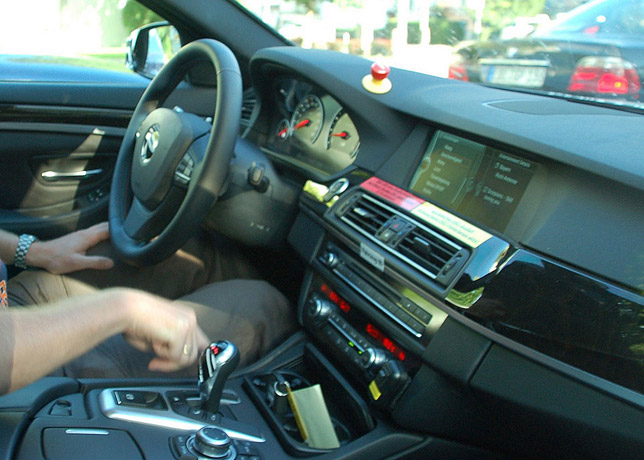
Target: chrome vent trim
pixel 418 245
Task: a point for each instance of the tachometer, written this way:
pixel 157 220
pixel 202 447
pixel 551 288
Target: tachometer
pixel 306 122
pixel 283 130
pixel 343 135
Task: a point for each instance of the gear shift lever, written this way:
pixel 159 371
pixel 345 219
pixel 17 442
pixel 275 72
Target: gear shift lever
pixel 217 362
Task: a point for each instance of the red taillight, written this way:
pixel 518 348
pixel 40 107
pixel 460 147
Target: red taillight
pixel 457 72
pixel 592 30
pixel 605 75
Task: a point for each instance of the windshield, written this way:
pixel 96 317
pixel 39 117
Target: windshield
pixel 585 51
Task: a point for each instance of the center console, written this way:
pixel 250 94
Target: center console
pixel 368 309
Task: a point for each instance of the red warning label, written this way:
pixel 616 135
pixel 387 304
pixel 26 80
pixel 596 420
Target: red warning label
pixel 392 193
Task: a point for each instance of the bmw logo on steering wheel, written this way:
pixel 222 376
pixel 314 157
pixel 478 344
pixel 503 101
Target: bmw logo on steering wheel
pixel 150 143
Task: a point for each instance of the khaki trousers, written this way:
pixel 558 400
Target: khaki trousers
pixel 249 312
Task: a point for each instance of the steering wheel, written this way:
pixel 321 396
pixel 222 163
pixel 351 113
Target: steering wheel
pixel 172 165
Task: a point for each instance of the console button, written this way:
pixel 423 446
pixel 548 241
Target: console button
pixel 424 316
pixel 196 413
pixel 180 448
pixel 416 326
pixel 145 399
pixel 401 315
pixel 61 407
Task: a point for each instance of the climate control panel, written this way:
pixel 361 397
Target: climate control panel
pixel 373 359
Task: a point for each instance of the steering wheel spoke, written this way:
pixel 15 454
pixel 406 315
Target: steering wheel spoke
pixel 139 222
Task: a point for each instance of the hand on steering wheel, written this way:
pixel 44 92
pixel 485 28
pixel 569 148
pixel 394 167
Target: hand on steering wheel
pixel 172 165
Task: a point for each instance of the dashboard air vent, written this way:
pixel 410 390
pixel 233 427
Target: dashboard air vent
pixel 427 250
pixel 248 106
pixel 366 215
pixel 418 245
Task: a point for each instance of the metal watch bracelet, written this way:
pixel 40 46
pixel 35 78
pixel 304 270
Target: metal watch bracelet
pixel 24 243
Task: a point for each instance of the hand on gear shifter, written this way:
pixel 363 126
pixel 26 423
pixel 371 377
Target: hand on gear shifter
pixel 217 362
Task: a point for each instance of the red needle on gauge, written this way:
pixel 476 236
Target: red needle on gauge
pixel 282 133
pixel 343 135
pixel 302 124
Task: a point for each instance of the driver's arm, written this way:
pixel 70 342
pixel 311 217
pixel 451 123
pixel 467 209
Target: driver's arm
pixel 36 340
pixel 62 255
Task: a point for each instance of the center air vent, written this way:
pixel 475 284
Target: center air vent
pixel 366 215
pixel 426 250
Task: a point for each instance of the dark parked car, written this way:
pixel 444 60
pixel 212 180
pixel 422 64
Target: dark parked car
pixel 596 50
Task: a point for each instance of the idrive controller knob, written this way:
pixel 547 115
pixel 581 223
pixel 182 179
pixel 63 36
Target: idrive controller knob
pixel 211 442
pixel 217 362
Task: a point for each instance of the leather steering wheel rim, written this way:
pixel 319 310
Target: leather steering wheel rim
pixel 208 177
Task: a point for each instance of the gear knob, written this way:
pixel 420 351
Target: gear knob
pixel 217 362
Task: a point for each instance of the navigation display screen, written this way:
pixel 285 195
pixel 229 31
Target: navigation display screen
pixel 481 182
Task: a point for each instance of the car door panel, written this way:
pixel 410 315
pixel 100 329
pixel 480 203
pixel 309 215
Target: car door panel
pixel 58 145
pixel 56 173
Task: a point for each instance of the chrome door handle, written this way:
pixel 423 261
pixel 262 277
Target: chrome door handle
pixel 51 176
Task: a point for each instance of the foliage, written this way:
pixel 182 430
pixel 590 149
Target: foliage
pixel 448 27
pixel 500 13
pixel 136 15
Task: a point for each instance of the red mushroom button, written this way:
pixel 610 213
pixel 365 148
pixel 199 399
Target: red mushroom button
pixel 379 71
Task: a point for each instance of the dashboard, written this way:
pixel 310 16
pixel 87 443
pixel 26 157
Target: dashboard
pixel 461 207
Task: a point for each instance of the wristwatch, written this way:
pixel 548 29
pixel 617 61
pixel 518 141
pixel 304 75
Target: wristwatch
pixel 24 243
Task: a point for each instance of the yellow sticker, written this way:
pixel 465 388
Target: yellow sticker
pixel 375 391
pixel 318 192
pixel 452 225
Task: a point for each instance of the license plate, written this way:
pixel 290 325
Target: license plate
pixel 524 76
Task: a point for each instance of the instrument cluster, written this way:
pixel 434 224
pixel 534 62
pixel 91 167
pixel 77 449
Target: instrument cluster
pixel 311 129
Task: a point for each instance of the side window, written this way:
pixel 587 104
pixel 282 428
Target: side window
pixel 77 33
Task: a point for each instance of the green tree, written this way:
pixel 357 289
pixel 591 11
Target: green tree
pixel 136 15
pixel 500 13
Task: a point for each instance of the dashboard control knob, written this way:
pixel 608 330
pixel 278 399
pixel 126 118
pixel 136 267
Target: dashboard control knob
pixel 320 310
pixel 330 259
pixel 372 360
pixel 257 178
pixel 337 188
pixel 211 442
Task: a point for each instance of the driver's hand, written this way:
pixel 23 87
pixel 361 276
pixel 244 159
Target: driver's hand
pixel 168 329
pixel 67 253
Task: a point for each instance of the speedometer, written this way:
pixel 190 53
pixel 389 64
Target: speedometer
pixel 343 135
pixel 306 122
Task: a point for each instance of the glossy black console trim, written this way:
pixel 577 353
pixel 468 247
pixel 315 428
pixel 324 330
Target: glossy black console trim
pixel 566 314
pixel 513 288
